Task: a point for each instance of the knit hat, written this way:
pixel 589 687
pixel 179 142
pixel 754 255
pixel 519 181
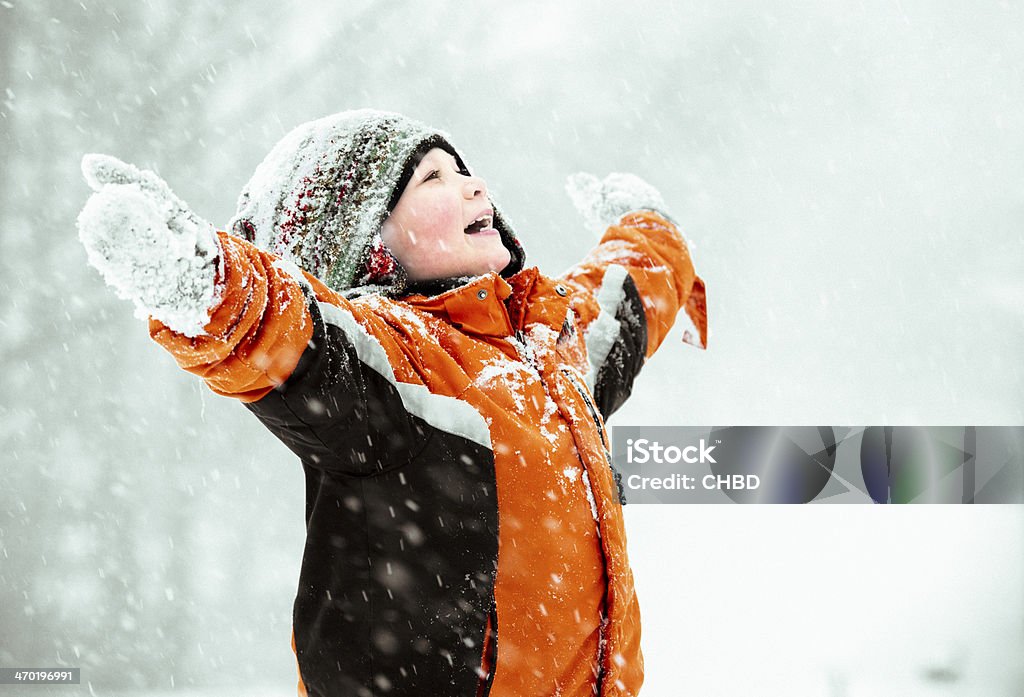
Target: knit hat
pixel 321 195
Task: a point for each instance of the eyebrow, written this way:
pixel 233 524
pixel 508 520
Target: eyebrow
pixel 449 159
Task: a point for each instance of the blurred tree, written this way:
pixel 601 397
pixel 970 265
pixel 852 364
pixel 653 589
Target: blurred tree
pixel 93 504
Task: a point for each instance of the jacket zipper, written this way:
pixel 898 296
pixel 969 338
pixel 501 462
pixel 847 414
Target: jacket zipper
pixel 602 634
pixel 602 630
pixel 590 405
pixel 600 431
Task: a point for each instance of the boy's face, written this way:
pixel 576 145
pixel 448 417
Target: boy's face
pixel 436 231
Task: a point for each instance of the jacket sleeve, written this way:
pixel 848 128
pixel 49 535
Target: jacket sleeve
pixel 630 289
pixel 295 353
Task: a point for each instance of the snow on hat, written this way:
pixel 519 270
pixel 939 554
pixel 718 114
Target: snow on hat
pixel 320 196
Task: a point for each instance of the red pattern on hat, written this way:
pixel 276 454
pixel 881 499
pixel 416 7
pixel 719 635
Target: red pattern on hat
pixel 380 262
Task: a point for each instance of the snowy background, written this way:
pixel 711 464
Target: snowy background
pixel 851 173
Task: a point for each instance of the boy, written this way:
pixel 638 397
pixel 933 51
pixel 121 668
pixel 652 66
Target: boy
pixel 464 526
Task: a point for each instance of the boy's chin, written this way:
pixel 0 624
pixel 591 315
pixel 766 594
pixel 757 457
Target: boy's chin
pixel 482 267
pixel 477 267
pixel 496 265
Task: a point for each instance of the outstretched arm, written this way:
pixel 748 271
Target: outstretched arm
pixel 217 304
pixel 634 284
pixel 311 365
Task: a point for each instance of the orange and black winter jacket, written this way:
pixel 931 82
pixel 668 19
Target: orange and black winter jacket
pixel 464 526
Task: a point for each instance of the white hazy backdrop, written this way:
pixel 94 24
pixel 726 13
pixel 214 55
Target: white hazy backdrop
pixel 852 175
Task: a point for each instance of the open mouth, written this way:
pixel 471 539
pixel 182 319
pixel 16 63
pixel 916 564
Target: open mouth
pixel 484 222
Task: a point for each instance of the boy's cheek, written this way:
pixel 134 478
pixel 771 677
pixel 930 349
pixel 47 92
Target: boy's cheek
pixel 439 219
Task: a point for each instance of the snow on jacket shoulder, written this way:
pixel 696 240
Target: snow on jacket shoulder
pixel 464 527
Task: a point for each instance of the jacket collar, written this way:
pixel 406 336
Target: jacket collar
pixel 490 305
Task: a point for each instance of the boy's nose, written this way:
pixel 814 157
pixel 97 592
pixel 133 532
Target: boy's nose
pixel 474 186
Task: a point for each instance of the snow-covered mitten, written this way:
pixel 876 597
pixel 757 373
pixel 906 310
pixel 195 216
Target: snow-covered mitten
pixel 149 245
pixel 603 202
